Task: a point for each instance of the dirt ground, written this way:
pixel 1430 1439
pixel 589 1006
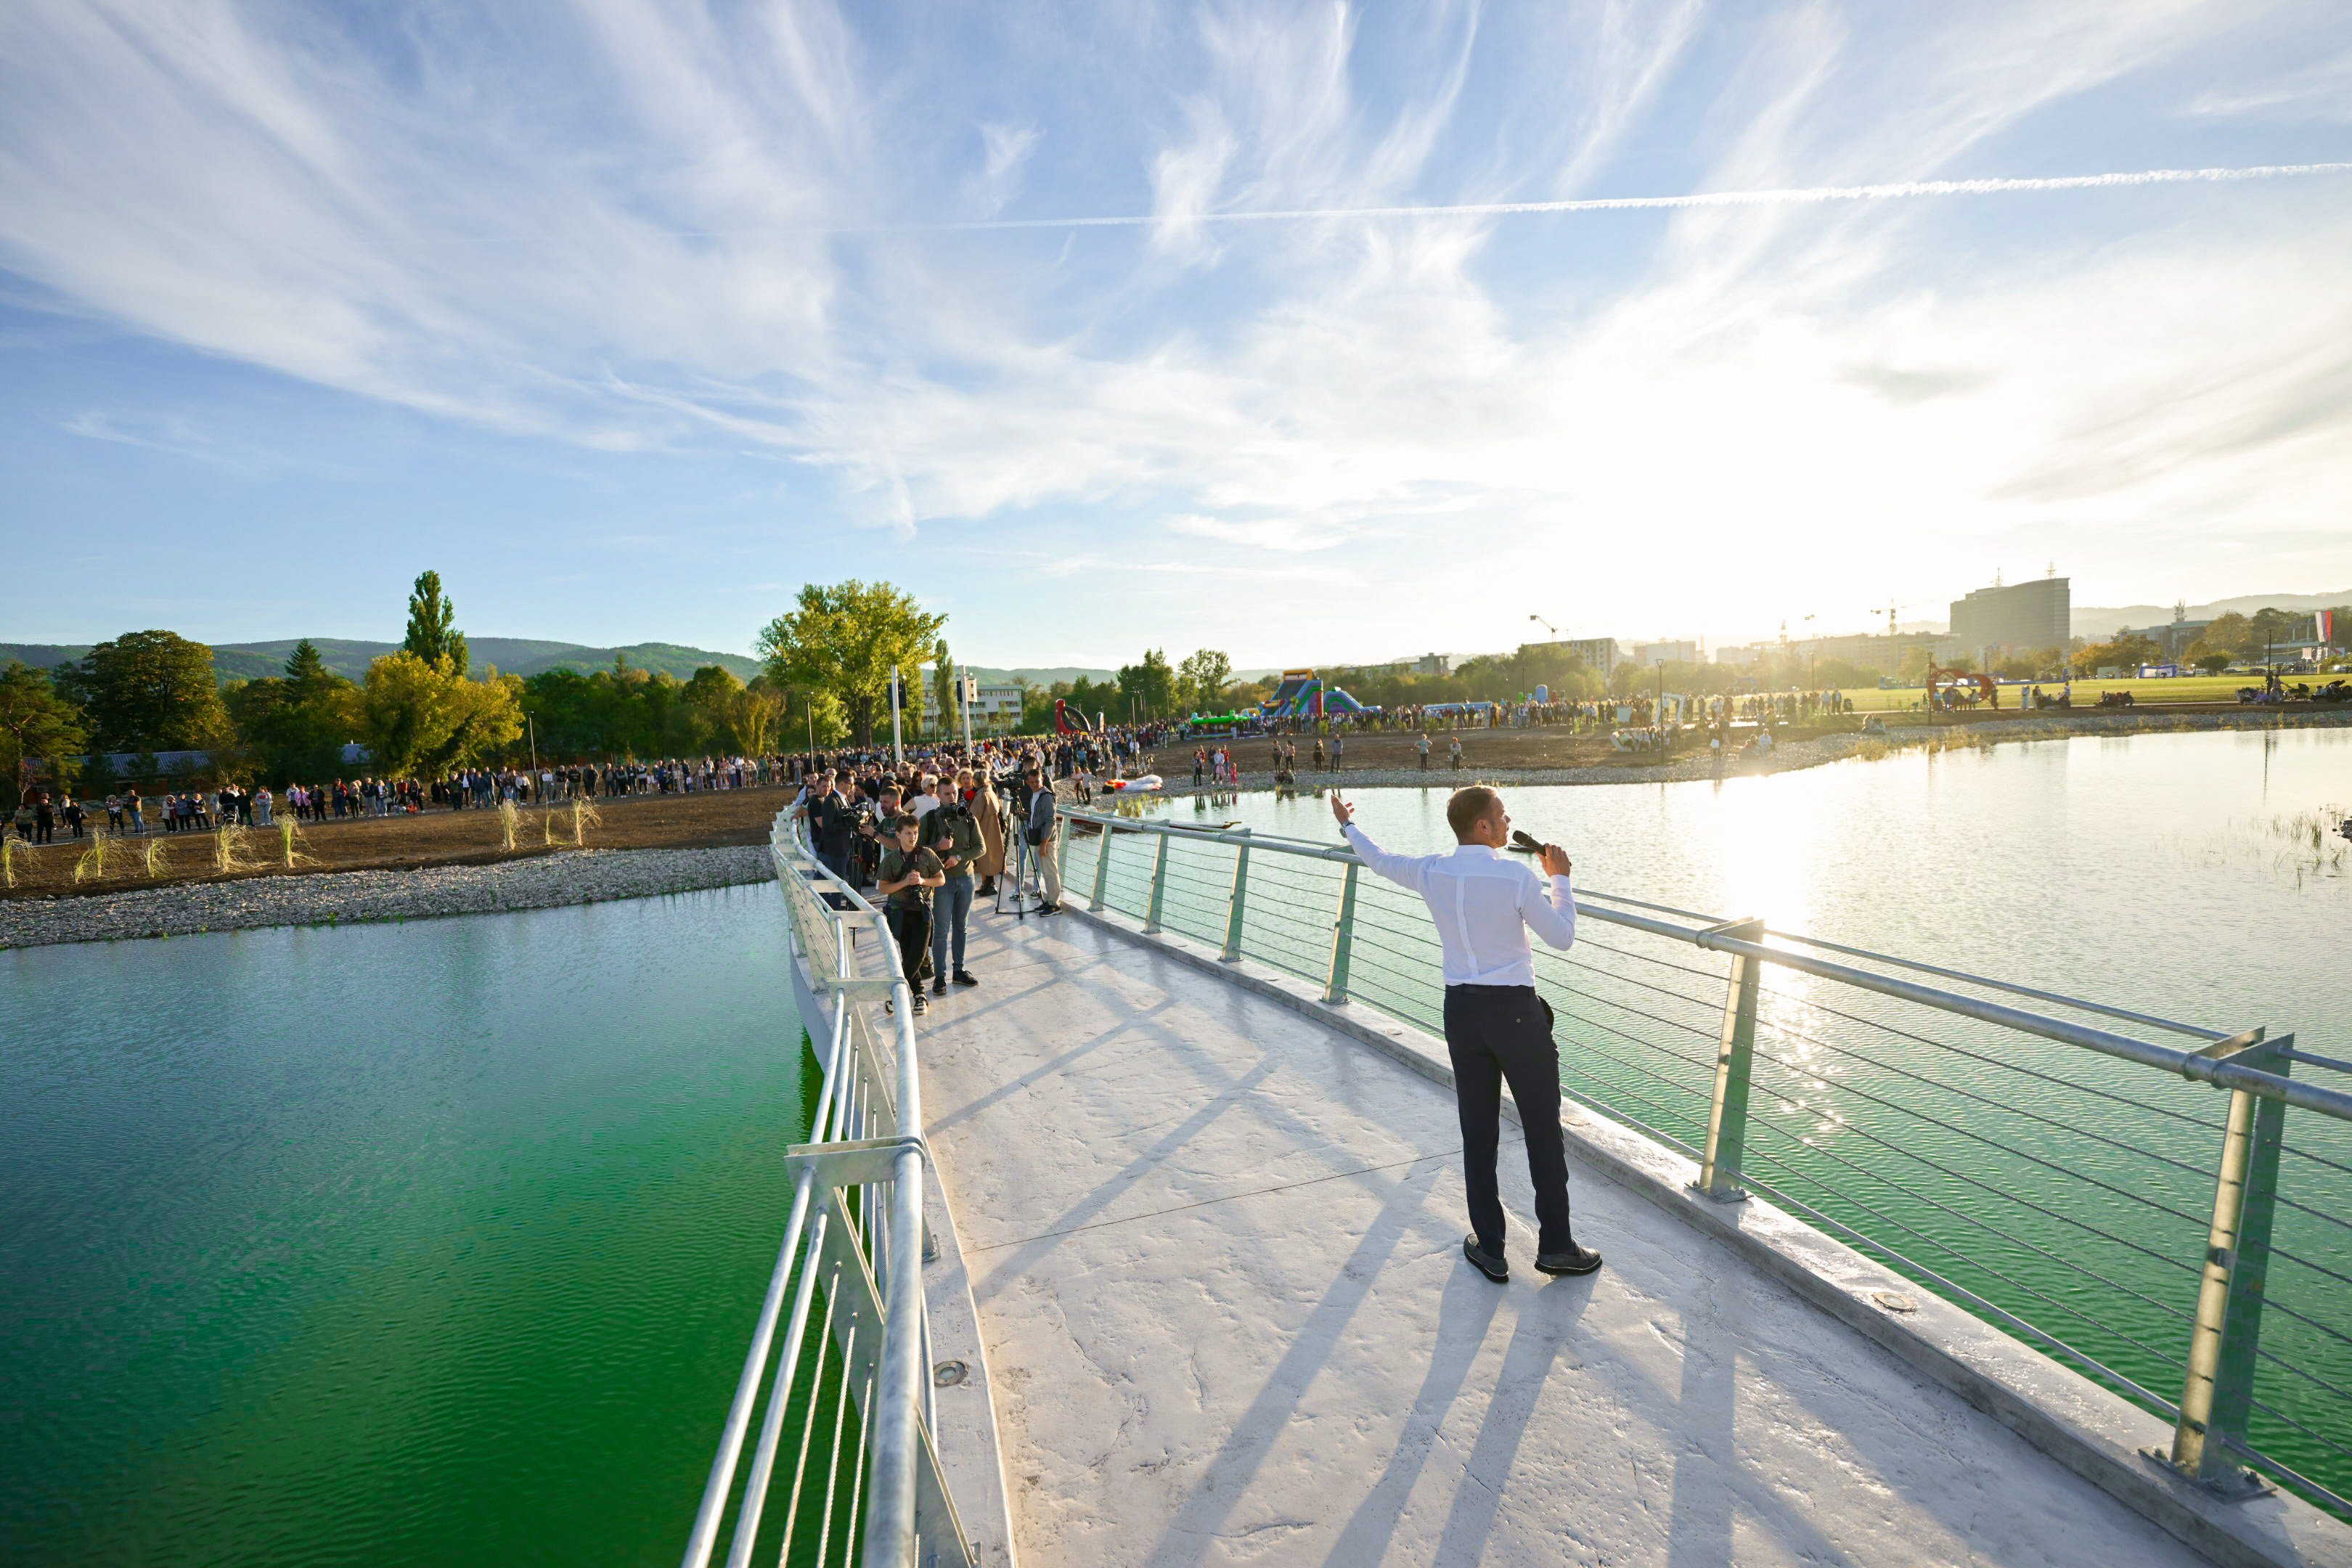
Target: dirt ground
pixel 433 838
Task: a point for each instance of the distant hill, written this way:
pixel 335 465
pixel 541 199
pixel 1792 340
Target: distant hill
pixel 2098 622
pixel 513 656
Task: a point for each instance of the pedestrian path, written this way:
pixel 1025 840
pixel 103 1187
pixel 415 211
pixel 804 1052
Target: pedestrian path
pixel 1215 1250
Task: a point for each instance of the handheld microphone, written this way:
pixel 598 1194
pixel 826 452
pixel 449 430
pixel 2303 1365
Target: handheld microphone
pixel 1522 844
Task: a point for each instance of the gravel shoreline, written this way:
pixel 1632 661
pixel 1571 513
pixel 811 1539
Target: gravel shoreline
pixel 1786 758
pixel 342 898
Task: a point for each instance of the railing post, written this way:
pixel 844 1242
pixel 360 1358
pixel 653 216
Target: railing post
pixel 1102 866
pixel 1343 936
pixel 1158 889
pixel 1726 1116
pixel 2228 1329
pixel 1233 907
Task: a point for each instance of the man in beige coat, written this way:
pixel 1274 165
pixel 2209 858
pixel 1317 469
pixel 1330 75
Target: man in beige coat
pixel 986 812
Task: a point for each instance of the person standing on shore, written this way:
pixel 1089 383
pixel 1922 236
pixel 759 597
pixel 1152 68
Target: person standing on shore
pixel 1453 753
pixel 1421 746
pixel 1497 1029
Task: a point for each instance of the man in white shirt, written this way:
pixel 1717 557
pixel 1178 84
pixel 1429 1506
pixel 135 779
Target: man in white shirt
pixel 1496 1027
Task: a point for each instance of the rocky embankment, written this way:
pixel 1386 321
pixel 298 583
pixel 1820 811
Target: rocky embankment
pixel 575 877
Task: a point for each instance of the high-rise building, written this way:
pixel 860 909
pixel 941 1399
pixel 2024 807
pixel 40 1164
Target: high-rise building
pixel 1600 653
pixel 2023 615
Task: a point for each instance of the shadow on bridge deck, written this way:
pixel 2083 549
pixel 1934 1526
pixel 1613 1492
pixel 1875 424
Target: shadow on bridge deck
pixel 1215 1248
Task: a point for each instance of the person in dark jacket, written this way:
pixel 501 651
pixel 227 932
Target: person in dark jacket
pixel 951 833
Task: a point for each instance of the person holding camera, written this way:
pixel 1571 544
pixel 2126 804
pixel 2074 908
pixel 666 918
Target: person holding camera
pixel 950 832
pixel 1039 831
pixel 908 875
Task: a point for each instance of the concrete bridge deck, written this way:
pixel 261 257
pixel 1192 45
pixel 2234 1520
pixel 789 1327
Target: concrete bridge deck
pixel 1214 1248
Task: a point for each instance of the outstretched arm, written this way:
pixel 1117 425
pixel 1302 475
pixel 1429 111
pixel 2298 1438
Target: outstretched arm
pixel 1403 869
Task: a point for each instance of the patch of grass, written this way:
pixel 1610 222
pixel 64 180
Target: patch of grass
pixel 157 859
pixel 289 846
pixel 585 815
pixel 90 865
pixel 229 843
pixel 510 819
pixel 11 849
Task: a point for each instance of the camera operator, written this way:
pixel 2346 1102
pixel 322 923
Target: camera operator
pixel 910 875
pixel 952 833
pixel 1038 828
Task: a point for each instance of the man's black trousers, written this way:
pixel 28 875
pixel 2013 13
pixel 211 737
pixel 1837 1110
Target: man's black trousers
pixel 1495 1033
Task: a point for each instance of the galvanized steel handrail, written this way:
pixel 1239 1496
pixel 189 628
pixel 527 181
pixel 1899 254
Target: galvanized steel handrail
pixel 2210 1419
pixel 856 1213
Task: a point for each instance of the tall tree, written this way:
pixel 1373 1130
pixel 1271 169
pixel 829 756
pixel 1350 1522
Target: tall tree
pixel 147 692
pixel 943 679
pixel 844 639
pixel 38 727
pixel 1202 678
pixel 433 634
pixel 423 719
pixel 1147 690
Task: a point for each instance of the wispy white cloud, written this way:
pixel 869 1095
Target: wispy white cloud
pixel 1827 320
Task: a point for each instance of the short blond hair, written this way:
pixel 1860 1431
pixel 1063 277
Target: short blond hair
pixel 1470 806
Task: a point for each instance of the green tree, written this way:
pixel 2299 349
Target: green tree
pixel 844 639
pixel 39 730
pixel 755 715
pixel 151 690
pixel 1147 690
pixel 2213 663
pixel 423 719
pixel 1202 680
pixel 943 684
pixel 433 634
pixel 2231 633
pixel 294 727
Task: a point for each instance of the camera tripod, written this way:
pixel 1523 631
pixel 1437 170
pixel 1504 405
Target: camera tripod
pixel 1021 886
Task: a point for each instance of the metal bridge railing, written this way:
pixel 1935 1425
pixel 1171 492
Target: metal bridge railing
pixel 845 1468
pixel 2128 1222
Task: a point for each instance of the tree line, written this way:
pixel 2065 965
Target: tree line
pixel 421 711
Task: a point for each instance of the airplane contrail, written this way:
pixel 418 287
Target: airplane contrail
pixel 1794 196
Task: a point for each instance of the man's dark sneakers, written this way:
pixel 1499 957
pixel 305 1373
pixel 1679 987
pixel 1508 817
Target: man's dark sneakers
pixel 1049 909
pixel 1490 1263
pixel 939 987
pixel 1575 1261
pixel 964 977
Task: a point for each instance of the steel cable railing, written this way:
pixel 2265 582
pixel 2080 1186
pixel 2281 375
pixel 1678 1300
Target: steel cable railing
pixel 852 1260
pixel 2055 1205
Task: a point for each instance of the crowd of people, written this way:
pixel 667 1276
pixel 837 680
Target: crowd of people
pixel 931 837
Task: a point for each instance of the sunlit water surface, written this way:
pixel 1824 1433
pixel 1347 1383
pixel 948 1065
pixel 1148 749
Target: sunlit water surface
pixel 421 1243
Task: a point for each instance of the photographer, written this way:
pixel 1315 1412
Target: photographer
pixel 950 832
pixel 1039 831
pixel 909 873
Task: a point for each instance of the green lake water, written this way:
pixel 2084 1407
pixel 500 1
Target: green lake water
pixel 426 1243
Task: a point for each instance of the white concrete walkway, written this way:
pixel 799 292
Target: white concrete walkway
pixel 1215 1250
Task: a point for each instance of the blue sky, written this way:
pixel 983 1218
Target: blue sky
pixel 631 318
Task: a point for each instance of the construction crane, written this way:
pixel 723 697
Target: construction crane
pixel 1891 608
